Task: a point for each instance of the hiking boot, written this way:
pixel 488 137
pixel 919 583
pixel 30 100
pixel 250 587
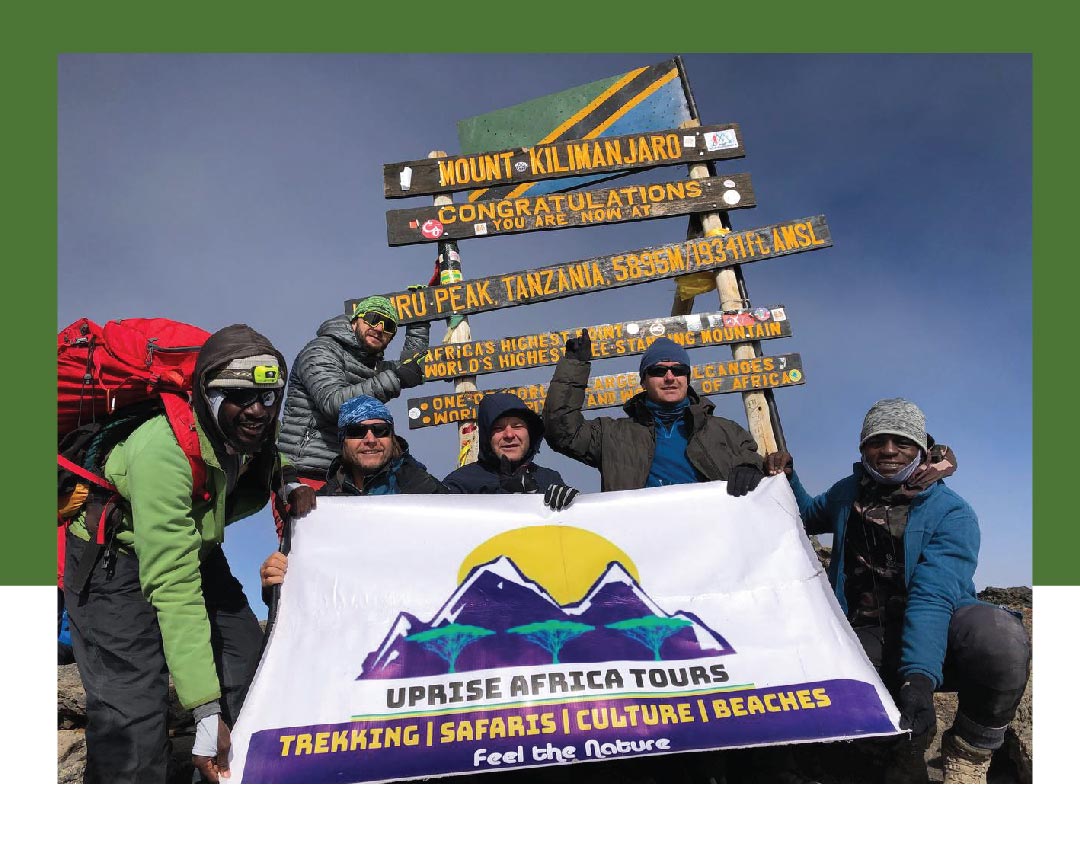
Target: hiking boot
pixel 962 763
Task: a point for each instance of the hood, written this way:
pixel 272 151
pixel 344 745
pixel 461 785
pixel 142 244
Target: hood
pixel 234 341
pixel 340 329
pixel 495 405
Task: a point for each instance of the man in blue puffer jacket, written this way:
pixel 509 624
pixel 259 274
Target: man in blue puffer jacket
pixel 905 548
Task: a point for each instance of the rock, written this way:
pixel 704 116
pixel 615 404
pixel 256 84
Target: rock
pixel 70 698
pixel 1017 752
pixel 71 736
pixel 70 756
pixel 1010 597
pixel 1012 763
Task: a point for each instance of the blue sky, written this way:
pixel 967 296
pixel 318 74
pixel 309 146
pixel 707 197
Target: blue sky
pixel 248 187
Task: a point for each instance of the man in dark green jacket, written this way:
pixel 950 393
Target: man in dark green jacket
pixel 160 597
pixel 670 435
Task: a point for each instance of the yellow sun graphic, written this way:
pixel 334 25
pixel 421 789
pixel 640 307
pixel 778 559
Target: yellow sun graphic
pixel 565 561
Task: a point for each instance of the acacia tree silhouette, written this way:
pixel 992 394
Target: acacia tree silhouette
pixel 651 631
pixel 449 641
pixel 552 635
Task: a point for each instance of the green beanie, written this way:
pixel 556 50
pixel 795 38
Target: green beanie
pixel 380 304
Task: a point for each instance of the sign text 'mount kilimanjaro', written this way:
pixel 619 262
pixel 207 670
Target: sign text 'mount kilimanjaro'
pixel 728 376
pixel 451 360
pixel 573 209
pixel 609 272
pixel 561 159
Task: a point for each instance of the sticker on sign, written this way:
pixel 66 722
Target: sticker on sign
pixel 715 140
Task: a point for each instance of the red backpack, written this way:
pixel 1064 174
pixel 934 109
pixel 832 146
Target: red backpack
pixel 110 381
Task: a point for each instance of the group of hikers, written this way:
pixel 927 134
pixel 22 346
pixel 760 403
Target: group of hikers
pixel 158 597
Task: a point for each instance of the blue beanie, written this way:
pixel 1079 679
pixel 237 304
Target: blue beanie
pixel 357 410
pixel 662 349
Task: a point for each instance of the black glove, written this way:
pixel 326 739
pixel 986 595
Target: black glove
pixel 559 497
pixel 916 704
pixel 743 480
pixel 580 347
pixel 411 369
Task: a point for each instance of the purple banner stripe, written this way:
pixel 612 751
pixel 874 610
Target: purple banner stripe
pixel 499 739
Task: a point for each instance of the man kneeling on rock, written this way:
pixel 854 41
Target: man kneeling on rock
pixel 905 548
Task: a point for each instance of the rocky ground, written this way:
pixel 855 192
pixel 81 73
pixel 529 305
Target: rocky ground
pixel 71 730
pixel 1011 764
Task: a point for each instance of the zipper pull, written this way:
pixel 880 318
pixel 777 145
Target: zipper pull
pixel 109 563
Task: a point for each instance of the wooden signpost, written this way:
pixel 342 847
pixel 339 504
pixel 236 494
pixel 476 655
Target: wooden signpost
pixel 457 332
pixel 587 207
pixel 730 376
pixel 526 168
pixel 608 272
pixel 449 361
pixel 564 158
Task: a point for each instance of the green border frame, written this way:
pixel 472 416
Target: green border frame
pixel 35 36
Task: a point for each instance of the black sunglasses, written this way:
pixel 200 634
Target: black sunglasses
pixel 680 370
pixel 360 430
pixel 243 397
pixel 375 319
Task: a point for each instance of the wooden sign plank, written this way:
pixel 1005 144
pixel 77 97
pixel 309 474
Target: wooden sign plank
pixel 562 159
pixel 452 360
pixel 729 376
pixel 609 272
pixel 586 207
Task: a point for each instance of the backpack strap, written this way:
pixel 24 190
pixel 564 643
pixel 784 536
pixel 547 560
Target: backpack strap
pixel 69 465
pixel 181 418
pixel 103 519
pixel 103 514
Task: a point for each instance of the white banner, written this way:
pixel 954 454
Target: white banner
pixel 427 635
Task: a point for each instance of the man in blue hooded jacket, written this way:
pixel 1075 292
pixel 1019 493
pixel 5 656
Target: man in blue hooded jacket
pixel 510 436
pixel 905 548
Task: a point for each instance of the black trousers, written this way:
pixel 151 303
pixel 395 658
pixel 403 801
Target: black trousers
pixel 987 662
pixel 118 649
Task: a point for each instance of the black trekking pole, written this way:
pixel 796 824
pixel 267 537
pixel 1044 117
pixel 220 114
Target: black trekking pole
pixel 274 596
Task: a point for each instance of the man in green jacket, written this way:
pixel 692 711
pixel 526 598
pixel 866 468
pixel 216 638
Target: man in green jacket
pixel 160 597
pixel 669 437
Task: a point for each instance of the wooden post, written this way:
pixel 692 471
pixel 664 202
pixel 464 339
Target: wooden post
pixel 457 331
pixel 762 418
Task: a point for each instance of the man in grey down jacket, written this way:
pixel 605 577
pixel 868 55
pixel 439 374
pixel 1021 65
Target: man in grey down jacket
pixel 670 436
pixel 345 360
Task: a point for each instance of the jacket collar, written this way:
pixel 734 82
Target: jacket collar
pixel 697 411
pixel 339 473
pixel 861 474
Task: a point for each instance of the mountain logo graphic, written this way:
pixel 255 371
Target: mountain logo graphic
pixel 498 617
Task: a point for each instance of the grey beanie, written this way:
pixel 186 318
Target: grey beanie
pixel 895 417
pixel 257 371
